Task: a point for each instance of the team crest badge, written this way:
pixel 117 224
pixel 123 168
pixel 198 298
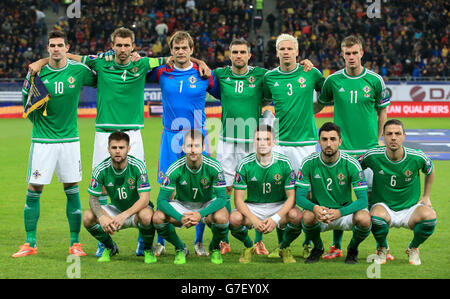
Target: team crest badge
pixel 408 173
pixel 252 80
pixel 71 80
pixel 341 178
pixel 302 81
pixel 192 80
pixel 277 177
pixel 135 70
pixel 36 174
pixel 131 183
pixel 204 182
pixel 366 90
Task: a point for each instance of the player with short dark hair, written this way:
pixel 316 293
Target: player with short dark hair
pixel 269 179
pixel 331 175
pixel 126 182
pixel 396 200
pixel 55 146
pixel 200 197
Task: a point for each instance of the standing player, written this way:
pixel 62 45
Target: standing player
pixel 125 179
pixel 183 97
pixel 360 99
pixel 292 89
pixel 55 143
pixel 395 199
pixel 200 196
pixel 269 180
pixel 331 174
pixel 242 96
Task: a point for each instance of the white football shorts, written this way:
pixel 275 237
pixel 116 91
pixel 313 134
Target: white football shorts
pixel 64 159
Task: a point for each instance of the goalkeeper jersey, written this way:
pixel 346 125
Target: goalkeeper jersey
pixel 356 101
pixel 265 184
pixel 64 85
pixel 331 184
pixel 123 187
pixel 292 93
pixel 396 183
pixel 241 98
pixel 120 92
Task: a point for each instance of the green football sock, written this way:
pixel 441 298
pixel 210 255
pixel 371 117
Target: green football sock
pixel 98 233
pixel 241 233
pixel 258 236
pixel 226 239
pixel 280 233
pixel 291 232
pixel 422 231
pixel 359 235
pixel 147 234
pixel 312 232
pixel 380 230
pixel 31 215
pixel 167 231
pixel 337 238
pixel 73 213
pixel 219 231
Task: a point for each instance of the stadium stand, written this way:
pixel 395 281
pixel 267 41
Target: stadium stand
pixel 407 41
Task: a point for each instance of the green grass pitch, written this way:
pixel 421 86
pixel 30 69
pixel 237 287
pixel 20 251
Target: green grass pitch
pixel 53 234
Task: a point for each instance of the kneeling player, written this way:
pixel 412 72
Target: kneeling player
pixel 126 182
pixel 395 199
pixel 270 180
pixel 331 174
pixel 200 196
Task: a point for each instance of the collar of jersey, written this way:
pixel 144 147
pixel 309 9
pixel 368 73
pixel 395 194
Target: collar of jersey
pixel 120 172
pixel 194 171
pixel 396 162
pixel 120 65
pixel 240 75
pixel 183 69
pixel 327 164
pixel 290 72
pixel 259 163
pixel 59 69
pixel 354 77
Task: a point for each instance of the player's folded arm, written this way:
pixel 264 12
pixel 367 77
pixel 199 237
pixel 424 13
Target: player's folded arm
pixel 163 204
pixel 218 203
pixel 301 191
pixel 360 203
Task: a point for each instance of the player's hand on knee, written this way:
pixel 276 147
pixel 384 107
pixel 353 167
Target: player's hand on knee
pixel 425 200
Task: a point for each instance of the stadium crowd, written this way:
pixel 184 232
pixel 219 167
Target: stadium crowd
pixel 406 41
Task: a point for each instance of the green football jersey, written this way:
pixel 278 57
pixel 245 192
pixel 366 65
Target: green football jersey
pixel 396 183
pixel 64 85
pixel 198 185
pixel 331 184
pixel 292 93
pixel 241 97
pixel 265 184
pixel 120 92
pixel 123 187
pixel 356 101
